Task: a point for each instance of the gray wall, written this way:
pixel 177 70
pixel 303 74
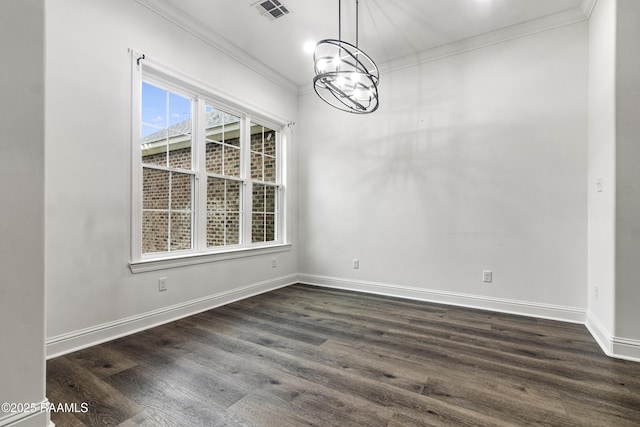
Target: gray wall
pixel 22 375
pixel 602 141
pixel 474 162
pixel 628 172
pixel 614 156
pixel 92 295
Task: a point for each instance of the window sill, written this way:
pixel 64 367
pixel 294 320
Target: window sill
pixel 195 259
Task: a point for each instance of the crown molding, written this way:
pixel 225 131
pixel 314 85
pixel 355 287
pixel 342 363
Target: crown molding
pixel 182 20
pixel 546 23
pixel 587 7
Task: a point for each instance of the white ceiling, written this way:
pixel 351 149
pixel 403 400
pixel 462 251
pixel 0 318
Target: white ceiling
pixel 393 32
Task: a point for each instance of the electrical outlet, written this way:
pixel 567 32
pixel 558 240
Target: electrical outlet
pixel 487 276
pixel 595 292
pixel 274 263
pixel 356 263
pixel 162 284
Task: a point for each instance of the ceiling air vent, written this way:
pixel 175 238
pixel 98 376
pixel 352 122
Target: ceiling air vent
pixel 272 9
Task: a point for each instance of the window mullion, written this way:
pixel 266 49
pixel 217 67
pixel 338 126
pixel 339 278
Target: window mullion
pixel 247 187
pixel 169 208
pixel 264 198
pixel 200 211
pixel 225 206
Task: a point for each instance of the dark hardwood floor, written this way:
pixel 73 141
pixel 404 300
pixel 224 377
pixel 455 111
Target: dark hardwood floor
pixel 307 356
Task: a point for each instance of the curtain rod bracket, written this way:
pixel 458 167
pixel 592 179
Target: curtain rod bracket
pixel 139 59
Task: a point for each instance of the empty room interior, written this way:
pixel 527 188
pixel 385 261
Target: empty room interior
pixel 330 213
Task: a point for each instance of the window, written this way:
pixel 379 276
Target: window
pixel 224 178
pixel 207 176
pixel 167 171
pixel 265 189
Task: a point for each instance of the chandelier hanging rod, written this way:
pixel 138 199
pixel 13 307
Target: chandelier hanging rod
pixel 339 19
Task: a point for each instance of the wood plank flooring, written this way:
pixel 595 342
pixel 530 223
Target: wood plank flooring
pixel 308 356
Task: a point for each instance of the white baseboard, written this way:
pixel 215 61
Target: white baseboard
pixel 28 419
pixel 620 348
pixel 617 347
pixel 624 348
pixel 544 311
pixel 599 333
pixel 77 340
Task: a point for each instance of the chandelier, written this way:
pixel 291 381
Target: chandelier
pixel 345 77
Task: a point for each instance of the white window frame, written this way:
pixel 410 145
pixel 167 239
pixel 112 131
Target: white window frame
pixel 158 74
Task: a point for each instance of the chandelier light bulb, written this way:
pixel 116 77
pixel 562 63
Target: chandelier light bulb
pixel 363 95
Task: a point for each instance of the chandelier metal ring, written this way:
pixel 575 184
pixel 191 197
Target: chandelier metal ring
pixel 345 77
